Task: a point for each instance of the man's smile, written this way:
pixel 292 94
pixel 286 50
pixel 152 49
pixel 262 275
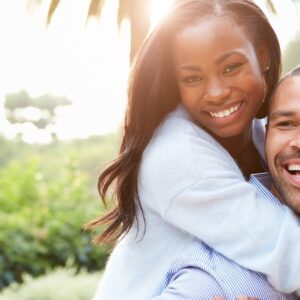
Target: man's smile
pixel 291 169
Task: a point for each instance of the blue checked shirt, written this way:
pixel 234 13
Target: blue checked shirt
pixel 202 273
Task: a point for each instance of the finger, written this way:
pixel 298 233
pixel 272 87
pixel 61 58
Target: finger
pixel 218 298
pixel 246 298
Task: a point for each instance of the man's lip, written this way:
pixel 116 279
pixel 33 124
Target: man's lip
pixel 293 180
pixel 290 161
pixel 216 109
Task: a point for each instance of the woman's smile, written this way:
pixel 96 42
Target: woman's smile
pixel 221 118
pixel 225 112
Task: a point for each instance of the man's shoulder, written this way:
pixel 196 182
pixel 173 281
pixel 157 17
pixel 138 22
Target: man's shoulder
pixel 197 254
pixel 198 259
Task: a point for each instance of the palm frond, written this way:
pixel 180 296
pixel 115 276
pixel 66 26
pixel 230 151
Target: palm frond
pixel 271 6
pixel 52 8
pixel 33 3
pixel 123 11
pixel 95 8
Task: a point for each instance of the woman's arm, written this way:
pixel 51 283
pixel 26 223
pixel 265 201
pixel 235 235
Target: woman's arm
pixel 193 183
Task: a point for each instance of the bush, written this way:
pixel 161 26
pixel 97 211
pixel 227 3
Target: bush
pixel 41 220
pixel 61 284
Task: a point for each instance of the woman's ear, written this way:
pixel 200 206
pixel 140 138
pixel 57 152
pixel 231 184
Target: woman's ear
pixel 264 58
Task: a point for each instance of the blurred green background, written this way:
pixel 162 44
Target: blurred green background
pixel 47 193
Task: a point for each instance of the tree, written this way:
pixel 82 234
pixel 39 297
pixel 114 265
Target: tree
pixel 40 111
pixel 136 11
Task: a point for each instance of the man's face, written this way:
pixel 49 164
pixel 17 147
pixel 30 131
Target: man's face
pixel 283 141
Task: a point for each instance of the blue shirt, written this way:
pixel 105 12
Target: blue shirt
pixel 202 273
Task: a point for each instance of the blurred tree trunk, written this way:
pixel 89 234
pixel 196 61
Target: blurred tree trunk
pixel 139 17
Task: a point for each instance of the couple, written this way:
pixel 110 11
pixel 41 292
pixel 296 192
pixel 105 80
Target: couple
pixel 191 141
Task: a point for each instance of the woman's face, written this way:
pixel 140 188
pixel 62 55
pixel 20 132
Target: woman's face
pixel 219 75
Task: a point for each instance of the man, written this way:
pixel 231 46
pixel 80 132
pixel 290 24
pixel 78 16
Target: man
pixel 201 272
pixel 283 140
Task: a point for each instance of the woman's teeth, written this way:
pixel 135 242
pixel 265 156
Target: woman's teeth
pixel 225 113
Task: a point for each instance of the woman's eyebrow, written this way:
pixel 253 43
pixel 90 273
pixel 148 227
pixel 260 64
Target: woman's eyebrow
pixel 227 54
pixel 218 61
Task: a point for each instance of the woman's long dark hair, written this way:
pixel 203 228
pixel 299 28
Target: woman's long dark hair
pixel 153 93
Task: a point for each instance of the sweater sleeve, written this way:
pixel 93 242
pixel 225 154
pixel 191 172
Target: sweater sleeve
pixel 195 185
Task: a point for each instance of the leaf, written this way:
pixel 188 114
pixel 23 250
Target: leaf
pixel 33 3
pixel 95 8
pixel 271 6
pixel 52 8
pixel 123 11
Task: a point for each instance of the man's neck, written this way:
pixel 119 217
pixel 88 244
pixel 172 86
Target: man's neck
pixel 276 193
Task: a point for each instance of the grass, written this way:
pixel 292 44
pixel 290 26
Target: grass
pixel 60 284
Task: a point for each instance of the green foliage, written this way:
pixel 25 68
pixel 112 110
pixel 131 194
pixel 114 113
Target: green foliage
pixel 47 193
pixel 61 284
pixel 22 99
pixel 90 154
pixel 10 150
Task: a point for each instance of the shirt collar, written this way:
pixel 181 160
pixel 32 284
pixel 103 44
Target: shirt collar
pixel 263 182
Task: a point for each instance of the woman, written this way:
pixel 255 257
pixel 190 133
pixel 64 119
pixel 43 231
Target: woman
pixel 198 82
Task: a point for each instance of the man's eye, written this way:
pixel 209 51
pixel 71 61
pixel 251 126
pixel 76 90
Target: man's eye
pixel 285 125
pixel 230 68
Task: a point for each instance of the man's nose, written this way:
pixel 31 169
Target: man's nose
pixel 217 91
pixel 295 139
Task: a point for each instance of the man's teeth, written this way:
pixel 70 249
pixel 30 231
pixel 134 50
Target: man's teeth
pixel 225 113
pixel 293 167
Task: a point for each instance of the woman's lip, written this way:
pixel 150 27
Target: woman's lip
pixel 223 108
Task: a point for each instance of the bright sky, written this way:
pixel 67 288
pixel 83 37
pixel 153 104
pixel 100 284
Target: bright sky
pixel 88 64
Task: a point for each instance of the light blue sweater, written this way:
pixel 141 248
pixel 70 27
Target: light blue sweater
pixel 202 273
pixel 190 186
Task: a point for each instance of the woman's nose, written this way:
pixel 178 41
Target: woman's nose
pixel 216 91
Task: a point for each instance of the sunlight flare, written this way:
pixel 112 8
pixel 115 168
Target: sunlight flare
pixel 159 9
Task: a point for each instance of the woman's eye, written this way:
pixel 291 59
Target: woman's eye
pixel 192 79
pixel 231 68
